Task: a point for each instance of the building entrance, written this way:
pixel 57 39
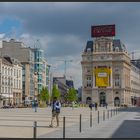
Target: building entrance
pixel 102 98
pixel 88 101
pixel 117 101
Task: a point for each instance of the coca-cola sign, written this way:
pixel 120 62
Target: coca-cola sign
pixel 103 30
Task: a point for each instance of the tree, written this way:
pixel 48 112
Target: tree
pixel 71 95
pixel 44 95
pixel 55 92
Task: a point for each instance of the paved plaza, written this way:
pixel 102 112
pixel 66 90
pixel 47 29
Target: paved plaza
pixel 18 123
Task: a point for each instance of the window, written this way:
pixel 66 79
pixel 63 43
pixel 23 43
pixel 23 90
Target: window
pixel 14 83
pixel 89 78
pixel 89 84
pixel 14 72
pixel 8 71
pixel 117 49
pixel 5 89
pixel 88 70
pixel 2 89
pixel 88 50
pixel 19 85
pixel 5 71
pixel 117 80
pixel 11 72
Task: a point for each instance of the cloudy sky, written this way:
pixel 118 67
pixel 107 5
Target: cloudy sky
pixel 64 28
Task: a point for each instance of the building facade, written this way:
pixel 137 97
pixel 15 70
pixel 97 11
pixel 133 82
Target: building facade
pixel 25 55
pixel 135 82
pixel 63 85
pixel 10 81
pixel 108 74
pixel 41 66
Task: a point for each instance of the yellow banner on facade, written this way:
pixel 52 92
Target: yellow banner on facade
pixel 102 76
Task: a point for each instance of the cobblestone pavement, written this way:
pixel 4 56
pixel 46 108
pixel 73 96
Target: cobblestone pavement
pixel 18 123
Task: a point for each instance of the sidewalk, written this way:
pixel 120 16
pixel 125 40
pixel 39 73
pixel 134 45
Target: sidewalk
pixel 123 125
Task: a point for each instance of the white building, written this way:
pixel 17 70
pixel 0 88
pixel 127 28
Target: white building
pixel 10 81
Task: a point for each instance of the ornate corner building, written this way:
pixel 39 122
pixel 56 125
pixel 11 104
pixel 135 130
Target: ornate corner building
pixel 108 75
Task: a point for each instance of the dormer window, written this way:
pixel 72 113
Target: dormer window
pixel 117 49
pixel 88 49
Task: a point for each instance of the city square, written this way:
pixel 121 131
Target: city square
pixel 19 123
pixel 69 70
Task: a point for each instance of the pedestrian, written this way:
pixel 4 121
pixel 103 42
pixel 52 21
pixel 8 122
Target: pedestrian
pixel 90 106
pixel 95 106
pixel 56 105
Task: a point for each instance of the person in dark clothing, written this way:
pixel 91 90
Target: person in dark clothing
pixel 90 106
pixel 95 106
pixel 56 105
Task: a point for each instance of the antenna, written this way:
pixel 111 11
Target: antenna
pixel 37 44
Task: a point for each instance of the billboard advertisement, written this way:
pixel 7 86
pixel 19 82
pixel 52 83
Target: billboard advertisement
pixel 103 30
pixel 102 77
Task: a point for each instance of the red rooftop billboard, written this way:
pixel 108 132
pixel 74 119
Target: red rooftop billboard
pixel 103 30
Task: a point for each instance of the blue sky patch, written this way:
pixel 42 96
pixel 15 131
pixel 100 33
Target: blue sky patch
pixel 11 27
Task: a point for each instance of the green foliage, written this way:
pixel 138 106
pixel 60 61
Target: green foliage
pixel 71 96
pixel 55 92
pixel 44 95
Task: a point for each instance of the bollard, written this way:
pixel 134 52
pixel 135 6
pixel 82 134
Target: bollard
pixel 90 119
pixel 34 129
pixel 64 127
pixel 108 114
pixel 80 126
pixel 111 112
pixel 114 111
pixel 103 115
pixel 98 117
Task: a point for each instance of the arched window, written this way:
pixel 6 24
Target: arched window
pixel 117 49
pixel 116 101
pixel 88 100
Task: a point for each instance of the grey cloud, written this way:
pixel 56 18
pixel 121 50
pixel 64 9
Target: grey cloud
pixel 45 18
pixel 68 24
pixel 62 46
pixel 75 18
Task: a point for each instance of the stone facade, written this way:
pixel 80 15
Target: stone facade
pixel 107 73
pixel 25 55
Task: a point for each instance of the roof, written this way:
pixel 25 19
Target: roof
pixel 89 46
pixel 119 44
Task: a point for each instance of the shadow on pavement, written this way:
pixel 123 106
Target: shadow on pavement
pixel 128 129
pixel 130 109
